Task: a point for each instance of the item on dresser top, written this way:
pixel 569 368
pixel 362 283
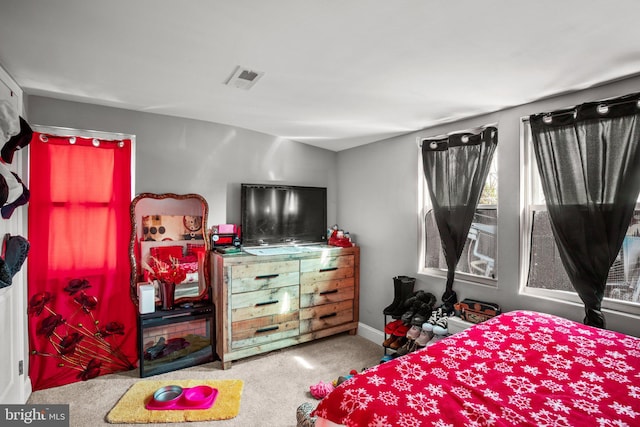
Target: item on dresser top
pixel 475 311
pixel 340 238
pixel 225 235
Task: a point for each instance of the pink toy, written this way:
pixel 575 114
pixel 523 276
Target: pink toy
pixel 320 390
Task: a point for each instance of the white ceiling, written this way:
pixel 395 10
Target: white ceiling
pixel 338 73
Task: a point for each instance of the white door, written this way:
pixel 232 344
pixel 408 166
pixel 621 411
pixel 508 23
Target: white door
pixel 15 387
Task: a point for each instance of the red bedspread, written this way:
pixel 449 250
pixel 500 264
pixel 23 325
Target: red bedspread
pixel 519 369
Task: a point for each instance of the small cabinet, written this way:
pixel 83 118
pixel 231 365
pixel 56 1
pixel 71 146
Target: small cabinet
pixel 264 303
pixel 175 339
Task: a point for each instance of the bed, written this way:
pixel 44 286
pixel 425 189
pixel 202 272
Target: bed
pixel 521 368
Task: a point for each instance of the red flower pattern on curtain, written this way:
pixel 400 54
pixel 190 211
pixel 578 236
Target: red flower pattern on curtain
pixel 81 318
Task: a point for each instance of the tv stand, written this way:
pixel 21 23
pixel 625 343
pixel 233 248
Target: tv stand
pixel 267 302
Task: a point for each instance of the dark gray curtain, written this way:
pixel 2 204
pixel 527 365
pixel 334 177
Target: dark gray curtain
pixel 456 168
pixel 589 163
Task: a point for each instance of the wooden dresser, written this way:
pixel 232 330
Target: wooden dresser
pixel 268 302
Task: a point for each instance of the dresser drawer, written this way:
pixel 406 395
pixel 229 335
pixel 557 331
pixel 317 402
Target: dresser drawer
pixel 251 305
pixel 328 291
pixel 265 275
pixel 324 316
pixel 262 330
pixel 329 268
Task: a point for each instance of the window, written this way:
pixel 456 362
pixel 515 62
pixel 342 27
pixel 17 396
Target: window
pixel 542 271
pixel 478 262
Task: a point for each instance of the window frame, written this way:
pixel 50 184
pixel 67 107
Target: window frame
pixel 528 172
pixel 424 206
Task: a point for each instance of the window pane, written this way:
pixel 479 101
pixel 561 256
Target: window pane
pixel 547 272
pixel 479 254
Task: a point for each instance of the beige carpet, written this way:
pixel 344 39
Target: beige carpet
pixel 131 406
pixel 275 384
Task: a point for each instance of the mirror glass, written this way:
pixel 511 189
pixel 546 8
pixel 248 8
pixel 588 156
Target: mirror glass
pixel 170 228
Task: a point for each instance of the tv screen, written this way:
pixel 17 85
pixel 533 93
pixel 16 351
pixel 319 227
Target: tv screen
pixel 283 214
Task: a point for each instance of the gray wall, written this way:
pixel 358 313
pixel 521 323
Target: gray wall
pixel 176 155
pixel 372 189
pixel 378 204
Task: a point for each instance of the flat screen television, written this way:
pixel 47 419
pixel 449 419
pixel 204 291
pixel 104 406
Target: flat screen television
pixel 283 214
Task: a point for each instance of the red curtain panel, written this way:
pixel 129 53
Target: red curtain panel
pixel 82 322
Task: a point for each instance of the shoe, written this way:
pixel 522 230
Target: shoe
pixel 390 327
pixel 440 328
pixel 435 316
pixel 399 294
pixel 399 342
pixel 408 315
pixel 413 332
pixel 386 358
pixel 407 348
pixel 387 343
pixel 401 330
pixel 423 339
pixel 421 315
pixel 406 285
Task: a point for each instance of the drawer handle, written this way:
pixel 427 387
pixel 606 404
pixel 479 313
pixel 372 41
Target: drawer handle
pixel 333 291
pixel 267 276
pixel 329 315
pixel 267 329
pixel 267 303
pixel 324 270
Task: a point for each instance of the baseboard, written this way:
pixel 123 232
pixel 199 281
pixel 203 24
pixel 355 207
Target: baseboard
pixel 26 389
pixel 372 334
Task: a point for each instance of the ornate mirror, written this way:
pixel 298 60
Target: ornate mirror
pixel 170 230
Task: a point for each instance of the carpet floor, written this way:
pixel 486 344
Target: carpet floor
pixel 275 384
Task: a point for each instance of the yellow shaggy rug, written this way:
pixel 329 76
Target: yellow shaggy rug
pixel 131 406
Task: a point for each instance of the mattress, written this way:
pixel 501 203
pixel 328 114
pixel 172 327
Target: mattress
pixel 521 368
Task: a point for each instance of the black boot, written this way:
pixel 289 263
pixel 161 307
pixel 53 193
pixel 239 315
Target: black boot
pixel 406 291
pixel 397 292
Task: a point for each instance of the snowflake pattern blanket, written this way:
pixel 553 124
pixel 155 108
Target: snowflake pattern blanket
pixel 521 368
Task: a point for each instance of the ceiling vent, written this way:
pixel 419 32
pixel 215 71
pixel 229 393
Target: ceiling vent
pixel 243 78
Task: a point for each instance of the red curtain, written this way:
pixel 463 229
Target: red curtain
pixel 82 322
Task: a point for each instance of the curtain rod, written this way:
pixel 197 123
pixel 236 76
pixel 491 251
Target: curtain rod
pixel 603 103
pixel 68 132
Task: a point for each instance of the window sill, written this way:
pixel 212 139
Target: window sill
pixel 460 277
pixel 563 297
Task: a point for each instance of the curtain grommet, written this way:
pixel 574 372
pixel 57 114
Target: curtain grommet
pixel 44 138
pixel 121 144
pixel 95 142
pixel 602 109
pixel 464 139
pixel 547 118
pixel 433 145
pixel 72 140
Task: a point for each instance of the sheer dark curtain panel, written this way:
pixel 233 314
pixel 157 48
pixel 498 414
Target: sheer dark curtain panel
pixel 589 163
pixel 455 169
